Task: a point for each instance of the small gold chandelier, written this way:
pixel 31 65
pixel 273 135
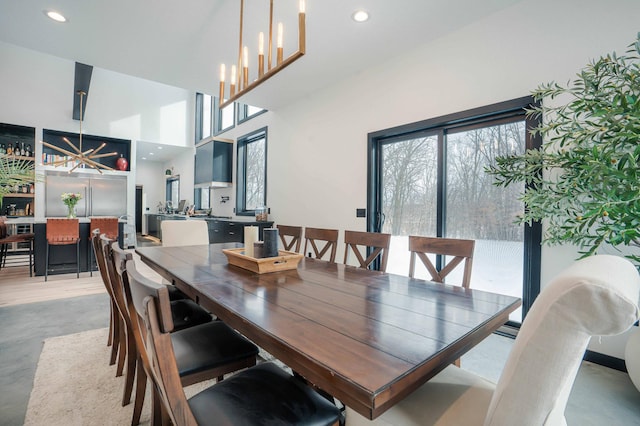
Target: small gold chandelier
pixel 239 84
pixel 87 157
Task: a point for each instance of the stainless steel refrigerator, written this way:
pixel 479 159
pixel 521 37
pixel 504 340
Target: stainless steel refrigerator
pixel 101 195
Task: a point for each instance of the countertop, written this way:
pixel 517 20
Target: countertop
pixel 32 220
pixel 248 219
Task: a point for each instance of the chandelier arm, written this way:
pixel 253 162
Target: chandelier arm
pixel 107 154
pixel 100 147
pixel 75 148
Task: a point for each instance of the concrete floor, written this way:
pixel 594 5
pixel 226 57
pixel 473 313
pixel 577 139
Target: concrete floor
pixel 600 396
pixel 24 328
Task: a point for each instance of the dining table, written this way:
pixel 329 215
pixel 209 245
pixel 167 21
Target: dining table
pixel 365 337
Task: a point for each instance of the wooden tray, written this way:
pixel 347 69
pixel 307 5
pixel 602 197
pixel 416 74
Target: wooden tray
pixel 287 260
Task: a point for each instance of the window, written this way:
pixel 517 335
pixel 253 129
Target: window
pixel 428 179
pixel 173 191
pixel 252 172
pixel 204 116
pixel 245 112
pixel 224 118
pixel 201 198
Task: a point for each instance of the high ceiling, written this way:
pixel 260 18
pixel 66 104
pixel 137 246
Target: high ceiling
pixel 183 43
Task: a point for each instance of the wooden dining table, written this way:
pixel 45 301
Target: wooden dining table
pixel 365 337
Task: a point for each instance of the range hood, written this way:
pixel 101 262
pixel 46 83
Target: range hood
pixel 213 164
pixel 213 185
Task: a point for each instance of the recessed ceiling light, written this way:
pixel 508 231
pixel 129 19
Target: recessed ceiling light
pixel 360 16
pixel 144 158
pixel 58 17
pixel 151 153
pixel 159 147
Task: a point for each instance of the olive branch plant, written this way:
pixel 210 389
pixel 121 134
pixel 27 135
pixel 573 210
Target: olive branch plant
pixel 584 179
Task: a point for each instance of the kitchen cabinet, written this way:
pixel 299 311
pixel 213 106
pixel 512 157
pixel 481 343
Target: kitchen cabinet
pixel 214 163
pixel 230 231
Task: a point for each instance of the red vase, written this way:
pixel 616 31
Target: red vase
pixel 122 164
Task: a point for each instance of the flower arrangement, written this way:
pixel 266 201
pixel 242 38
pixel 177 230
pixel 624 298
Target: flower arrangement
pixel 70 199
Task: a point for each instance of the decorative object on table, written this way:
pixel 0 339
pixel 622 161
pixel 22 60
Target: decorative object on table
pixel 583 181
pixel 122 164
pixel 262 214
pixel 240 73
pixel 14 171
pixel 284 261
pixel 270 237
pixel 70 199
pixel 81 158
pixel 250 237
pixel 258 250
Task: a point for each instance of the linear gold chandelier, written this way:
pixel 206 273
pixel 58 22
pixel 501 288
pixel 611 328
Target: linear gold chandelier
pixel 239 84
pixel 80 157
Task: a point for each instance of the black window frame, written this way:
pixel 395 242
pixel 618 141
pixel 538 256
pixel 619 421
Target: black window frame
pixel 217 117
pixel 241 171
pixel 440 126
pixel 243 111
pixel 199 111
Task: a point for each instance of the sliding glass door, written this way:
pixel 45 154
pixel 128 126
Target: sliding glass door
pixel 431 182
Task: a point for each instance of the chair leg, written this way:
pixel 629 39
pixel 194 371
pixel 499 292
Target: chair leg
pixel 156 408
pixel 131 369
pixel 116 333
pixel 78 259
pixel 122 350
pixel 30 258
pixel 141 388
pixel 46 263
pixel 110 338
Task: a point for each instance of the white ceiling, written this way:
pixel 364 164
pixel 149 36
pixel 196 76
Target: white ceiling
pixel 183 43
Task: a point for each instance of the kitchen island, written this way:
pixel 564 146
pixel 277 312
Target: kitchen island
pixel 221 229
pixel 62 259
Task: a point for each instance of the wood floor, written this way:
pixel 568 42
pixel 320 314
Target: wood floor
pixel 16 287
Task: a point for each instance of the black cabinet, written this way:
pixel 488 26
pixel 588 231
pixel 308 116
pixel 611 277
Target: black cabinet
pixel 152 225
pixel 213 162
pixel 229 231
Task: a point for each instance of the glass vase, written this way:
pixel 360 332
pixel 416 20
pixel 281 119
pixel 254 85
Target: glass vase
pixel 71 212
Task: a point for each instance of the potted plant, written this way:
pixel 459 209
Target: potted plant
pixel 584 181
pixel 14 172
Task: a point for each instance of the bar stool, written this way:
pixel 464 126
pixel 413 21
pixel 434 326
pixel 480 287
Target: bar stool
pixel 61 232
pixel 6 239
pixel 107 226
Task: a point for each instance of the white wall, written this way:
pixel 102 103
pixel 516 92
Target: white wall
pixel 317 147
pixel 37 91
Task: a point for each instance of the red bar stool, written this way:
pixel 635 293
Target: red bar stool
pixel 61 232
pixel 107 226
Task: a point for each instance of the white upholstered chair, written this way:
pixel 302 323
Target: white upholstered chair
pixel 184 232
pixel 596 296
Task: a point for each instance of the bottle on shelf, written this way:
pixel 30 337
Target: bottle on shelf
pixel 3 149
pixel 10 149
pixel 28 152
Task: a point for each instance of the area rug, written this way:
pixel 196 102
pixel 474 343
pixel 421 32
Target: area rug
pixel 75 385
